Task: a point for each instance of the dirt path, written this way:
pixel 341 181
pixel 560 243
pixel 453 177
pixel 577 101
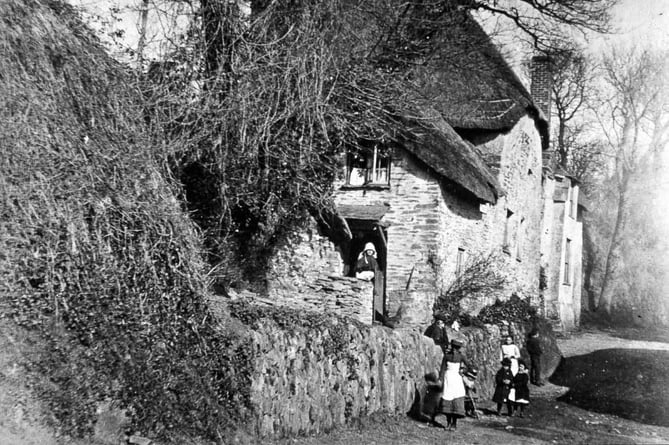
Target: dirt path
pixel 548 421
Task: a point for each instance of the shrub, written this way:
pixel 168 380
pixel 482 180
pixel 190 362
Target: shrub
pixel 479 278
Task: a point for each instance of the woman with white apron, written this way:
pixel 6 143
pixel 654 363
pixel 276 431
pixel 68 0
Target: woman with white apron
pixel 510 351
pixel 453 397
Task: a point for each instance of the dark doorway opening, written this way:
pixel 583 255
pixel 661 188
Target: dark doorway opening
pixel 367 231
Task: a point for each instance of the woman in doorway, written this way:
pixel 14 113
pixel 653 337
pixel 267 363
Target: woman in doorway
pixel 366 266
pixel 453 396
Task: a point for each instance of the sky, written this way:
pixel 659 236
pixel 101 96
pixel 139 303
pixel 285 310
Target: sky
pixel 643 20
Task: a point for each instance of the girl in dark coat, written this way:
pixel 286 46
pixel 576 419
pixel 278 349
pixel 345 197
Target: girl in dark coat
pixel 503 385
pixel 522 389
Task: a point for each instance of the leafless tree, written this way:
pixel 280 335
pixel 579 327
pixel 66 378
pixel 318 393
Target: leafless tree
pixel 633 115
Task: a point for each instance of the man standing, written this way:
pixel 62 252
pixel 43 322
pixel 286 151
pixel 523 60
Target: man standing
pixel 437 331
pixel 534 349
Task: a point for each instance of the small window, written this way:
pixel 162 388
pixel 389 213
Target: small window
pixel 368 166
pixel 508 232
pixel 460 261
pixel 567 265
pixel 573 209
pixel 520 238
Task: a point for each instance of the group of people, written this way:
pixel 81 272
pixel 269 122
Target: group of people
pixel 453 391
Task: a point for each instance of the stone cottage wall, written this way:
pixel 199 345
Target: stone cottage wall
pixel 520 236
pixel 306 273
pixel 562 298
pixel 516 158
pixel 303 384
pixel 413 233
pixel 430 228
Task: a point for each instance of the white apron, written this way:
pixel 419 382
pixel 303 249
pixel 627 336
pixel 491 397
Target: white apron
pixel 453 385
pixel 511 351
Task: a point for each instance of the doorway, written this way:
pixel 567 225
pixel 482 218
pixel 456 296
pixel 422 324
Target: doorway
pixel 366 231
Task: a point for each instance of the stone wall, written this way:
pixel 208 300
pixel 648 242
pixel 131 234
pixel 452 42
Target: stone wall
pixel 306 273
pixel 308 381
pixel 518 235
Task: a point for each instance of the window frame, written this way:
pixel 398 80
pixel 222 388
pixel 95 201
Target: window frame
pixel 374 165
pixel 566 276
pixel 460 261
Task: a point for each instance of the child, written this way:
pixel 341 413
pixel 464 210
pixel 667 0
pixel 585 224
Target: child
pixel 522 390
pixel 503 383
pixel 432 396
pixel 469 379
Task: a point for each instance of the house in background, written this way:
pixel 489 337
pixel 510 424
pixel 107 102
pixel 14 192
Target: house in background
pixel 561 250
pixel 463 178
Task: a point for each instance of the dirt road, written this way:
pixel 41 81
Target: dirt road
pixel 612 388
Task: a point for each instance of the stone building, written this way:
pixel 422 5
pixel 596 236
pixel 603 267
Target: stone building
pixel 561 247
pixel 463 179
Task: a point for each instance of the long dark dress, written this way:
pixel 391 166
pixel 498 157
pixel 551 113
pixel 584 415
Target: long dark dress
pixel 502 389
pixel 520 383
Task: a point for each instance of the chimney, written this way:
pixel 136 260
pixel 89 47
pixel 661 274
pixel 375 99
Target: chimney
pixel 542 85
pixel 541 89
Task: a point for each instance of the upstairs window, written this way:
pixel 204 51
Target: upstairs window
pixel 368 166
pixel 573 204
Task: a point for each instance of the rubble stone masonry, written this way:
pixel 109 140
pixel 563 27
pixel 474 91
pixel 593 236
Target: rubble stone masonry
pixel 298 386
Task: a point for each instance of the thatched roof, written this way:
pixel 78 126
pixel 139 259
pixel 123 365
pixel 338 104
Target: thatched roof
pixel 461 82
pixel 468 81
pixel 435 143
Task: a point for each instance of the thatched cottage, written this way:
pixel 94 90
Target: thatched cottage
pixel 465 180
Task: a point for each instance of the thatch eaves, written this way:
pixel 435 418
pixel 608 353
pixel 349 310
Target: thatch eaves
pixel 434 142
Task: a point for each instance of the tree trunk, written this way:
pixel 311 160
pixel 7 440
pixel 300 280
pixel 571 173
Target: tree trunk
pixel 614 256
pixel 589 265
pixel 562 148
pixel 144 15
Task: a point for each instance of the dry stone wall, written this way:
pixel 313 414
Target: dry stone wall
pixel 306 273
pixel 308 381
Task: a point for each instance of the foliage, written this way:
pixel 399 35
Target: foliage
pixel 97 257
pixel 513 309
pixel 480 277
